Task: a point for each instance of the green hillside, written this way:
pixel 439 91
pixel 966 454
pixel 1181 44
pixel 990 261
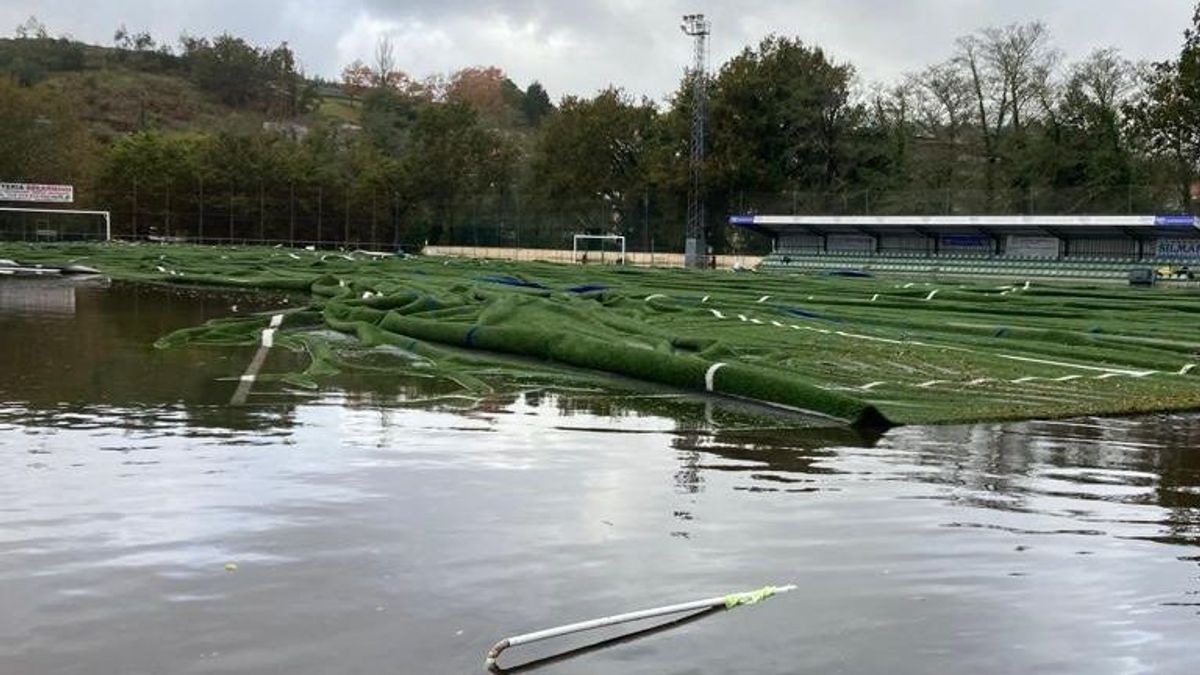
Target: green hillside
pixel 118 91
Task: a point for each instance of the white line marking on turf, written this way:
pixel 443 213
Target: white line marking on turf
pixel 1187 369
pixel 711 374
pixel 931 294
pixel 247 379
pixel 742 317
pixel 717 314
pixel 652 297
pixel 704 299
pixel 874 297
pixel 926 385
pixel 764 298
pixel 1064 364
pixel 871 385
pixel 777 324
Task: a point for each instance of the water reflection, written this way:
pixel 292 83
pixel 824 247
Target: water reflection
pixel 43 297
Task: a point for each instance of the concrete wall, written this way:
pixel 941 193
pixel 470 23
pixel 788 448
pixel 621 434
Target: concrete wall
pixel 594 257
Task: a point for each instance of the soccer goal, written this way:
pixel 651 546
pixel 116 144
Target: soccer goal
pixel 32 224
pixel 598 248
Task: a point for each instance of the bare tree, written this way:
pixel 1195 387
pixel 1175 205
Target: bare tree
pixel 32 29
pixel 1021 59
pixel 942 102
pixel 385 62
pixel 1009 71
pixel 1105 77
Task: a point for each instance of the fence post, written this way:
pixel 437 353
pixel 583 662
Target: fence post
pixel 320 211
pixel 231 213
pixel 135 206
pixel 200 225
pixel 262 214
pixel 168 221
pixel 292 214
pixel 395 221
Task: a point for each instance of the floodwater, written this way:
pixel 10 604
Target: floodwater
pixel 147 526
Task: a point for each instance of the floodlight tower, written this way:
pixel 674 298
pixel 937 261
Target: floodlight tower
pixel 695 248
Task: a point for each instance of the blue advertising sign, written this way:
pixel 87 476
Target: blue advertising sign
pixel 1176 220
pixel 741 220
pixel 1177 248
pixel 965 240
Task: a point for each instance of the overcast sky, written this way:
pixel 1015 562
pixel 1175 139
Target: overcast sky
pixel 580 46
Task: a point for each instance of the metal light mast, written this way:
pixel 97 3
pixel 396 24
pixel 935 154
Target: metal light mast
pixel 695 248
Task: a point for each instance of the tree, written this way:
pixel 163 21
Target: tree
pixel 942 118
pixel 781 119
pixel 451 158
pixel 243 75
pixel 535 105
pixel 483 89
pixel 1085 143
pixel 594 152
pixel 228 67
pixel 386 75
pixel 32 29
pixel 1166 115
pixel 357 78
pixel 1007 69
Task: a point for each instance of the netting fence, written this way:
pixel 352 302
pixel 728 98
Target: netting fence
pixel 335 214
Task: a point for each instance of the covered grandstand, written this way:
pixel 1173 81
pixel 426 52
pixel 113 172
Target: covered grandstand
pixel 1094 247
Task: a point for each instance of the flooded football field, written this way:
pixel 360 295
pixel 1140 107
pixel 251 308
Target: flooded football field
pixel 148 525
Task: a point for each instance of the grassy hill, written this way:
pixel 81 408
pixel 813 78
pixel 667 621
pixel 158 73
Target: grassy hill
pixel 116 91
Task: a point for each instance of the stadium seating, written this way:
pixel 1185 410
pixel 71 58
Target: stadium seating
pixel 962 264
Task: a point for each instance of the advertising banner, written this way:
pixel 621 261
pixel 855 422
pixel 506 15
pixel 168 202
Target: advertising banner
pixel 33 192
pixel 1024 246
pixel 972 242
pixel 1177 248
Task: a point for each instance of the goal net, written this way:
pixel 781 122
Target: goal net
pixel 605 249
pixel 32 224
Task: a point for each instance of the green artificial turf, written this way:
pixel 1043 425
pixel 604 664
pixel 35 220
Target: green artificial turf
pixel 868 351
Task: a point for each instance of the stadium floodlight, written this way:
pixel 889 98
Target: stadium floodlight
pixel 695 246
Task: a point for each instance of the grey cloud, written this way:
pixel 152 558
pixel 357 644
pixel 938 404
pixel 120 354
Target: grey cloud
pixel 577 47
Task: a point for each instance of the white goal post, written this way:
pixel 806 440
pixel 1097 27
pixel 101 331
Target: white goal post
pixel 42 229
pixel 602 237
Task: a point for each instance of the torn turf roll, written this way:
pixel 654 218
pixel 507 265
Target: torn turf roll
pixel 741 381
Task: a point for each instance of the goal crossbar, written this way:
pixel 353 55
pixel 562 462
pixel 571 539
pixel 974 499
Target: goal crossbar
pixel 78 212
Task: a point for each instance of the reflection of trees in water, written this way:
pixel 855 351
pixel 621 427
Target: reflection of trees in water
pixel 105 353
pixel 786 450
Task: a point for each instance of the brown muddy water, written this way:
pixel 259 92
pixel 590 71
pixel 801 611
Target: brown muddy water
pixel 374 535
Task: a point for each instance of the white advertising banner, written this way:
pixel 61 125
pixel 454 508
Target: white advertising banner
pixel 33 192
pixel 1177 248
pixel 850 242
pixel 1025 246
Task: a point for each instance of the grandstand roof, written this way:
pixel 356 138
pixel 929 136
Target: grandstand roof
pixel 1128 225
